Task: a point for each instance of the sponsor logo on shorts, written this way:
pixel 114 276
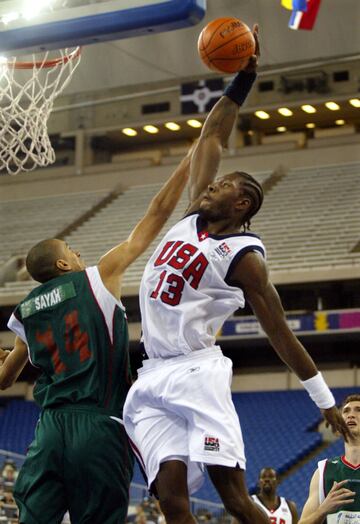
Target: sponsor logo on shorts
pixel 211 444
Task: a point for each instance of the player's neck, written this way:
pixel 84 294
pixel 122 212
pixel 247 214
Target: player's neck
pixel 352 452
pixel 222 227
pixel 271 501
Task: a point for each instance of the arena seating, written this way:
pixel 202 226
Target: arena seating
pixel 278 428
pixel 17 423
pixel 310 220
pixel 115 222
pixel 30 220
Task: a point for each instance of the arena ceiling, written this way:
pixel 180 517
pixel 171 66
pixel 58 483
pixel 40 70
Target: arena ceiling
pixel 169 57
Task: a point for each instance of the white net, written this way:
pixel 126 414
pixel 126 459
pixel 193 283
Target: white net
pixel 27 94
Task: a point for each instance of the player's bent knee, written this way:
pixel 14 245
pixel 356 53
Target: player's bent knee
pixel 175 509
pixel 238 506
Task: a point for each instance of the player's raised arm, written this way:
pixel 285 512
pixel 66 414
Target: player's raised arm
pixel 217 128
pixel 113 264
pixel 12 363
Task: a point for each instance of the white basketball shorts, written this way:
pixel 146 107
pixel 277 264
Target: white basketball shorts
pixel 181 408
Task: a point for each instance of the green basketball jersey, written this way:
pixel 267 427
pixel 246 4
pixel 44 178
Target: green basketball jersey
pixel 77 336
pixel 337 469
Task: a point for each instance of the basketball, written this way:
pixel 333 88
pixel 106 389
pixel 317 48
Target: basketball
pixel 226 44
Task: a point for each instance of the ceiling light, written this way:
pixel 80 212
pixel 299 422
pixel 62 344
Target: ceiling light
pixel 173 126
pixel 151 129
pixel 281 129
pixel 129 131
pixel 308 108
pixel 262 114
pixel 355 102
pixel 9 17
pixel 310 125
pixel 333 106
pixel 340 122
pixel 31 11
pixel 284 111
pixel 194 123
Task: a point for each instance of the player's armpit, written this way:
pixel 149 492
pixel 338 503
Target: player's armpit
pixel 14 364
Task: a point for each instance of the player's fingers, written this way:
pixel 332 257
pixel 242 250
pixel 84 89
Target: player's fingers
pixel 344 431
pixel 257 45
pixel 338 485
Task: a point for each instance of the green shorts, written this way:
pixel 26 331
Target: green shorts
pixel 80 461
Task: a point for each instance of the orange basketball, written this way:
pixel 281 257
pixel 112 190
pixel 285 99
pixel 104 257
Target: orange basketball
pixel 226 44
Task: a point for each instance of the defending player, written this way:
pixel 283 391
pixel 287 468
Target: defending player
pixel 179 413
pixel 334 495
pixel 73 328
pixel 278 509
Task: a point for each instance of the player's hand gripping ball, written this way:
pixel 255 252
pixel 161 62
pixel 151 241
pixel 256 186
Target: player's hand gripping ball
pixel 226 44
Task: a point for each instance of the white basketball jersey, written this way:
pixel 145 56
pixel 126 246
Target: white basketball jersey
pixel 185 296
pixel 280 515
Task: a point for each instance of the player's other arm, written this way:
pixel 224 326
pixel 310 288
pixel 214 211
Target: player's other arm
pixel 293 511
pixel 12 363
pixel 216 131
pixel 113 264
pixel 314 512
pixel 252 274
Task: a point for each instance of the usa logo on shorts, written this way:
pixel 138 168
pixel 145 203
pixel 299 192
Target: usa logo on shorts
pixel 211 444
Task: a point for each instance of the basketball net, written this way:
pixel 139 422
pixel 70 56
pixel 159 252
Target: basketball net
pixel 27 94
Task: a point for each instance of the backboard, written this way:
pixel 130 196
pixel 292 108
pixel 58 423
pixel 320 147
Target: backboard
pixel 30 26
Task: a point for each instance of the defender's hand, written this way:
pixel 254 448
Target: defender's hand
pixel 254 59
pixel 337 496
pixel 4 353
pixel 334 419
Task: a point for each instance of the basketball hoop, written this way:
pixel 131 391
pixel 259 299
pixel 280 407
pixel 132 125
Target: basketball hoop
pixel 27 93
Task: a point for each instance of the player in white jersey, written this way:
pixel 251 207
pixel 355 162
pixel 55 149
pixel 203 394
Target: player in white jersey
pixel 278 509
pixel 179 413
pixel 334 494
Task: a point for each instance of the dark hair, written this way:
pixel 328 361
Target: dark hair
pixel 252 188
pixel 355 397
pixel 41 260
pixel 268 468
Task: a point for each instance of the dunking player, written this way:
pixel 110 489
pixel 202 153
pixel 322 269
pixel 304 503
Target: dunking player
pixel 74 329
pixel 334 495
pixel 278 509
pixel 179 413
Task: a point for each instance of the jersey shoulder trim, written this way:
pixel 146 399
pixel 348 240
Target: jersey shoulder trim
pixel 238 257
pixel 99 287
pixel 17 327
pixel 321 468
pixel 201 225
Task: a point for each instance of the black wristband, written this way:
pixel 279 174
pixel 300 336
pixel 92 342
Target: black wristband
pixel 240 87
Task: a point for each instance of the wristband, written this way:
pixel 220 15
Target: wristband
pixel 319 391
pixel 240 87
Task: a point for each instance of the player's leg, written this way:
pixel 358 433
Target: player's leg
pixel 172 490
pixel 160 441
pixel 231 486
pixel 98 467
pixel 39 490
